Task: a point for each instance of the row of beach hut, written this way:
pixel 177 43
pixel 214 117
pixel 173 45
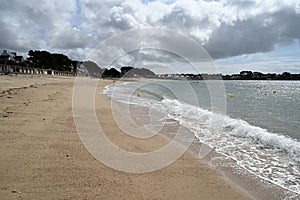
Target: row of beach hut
pixel 12 69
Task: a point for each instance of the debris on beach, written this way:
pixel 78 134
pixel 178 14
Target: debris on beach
pixel 231 95
pixel 15 191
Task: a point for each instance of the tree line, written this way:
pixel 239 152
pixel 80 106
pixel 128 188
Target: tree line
pixel 61 62
pixel 45 60
pixel 249 75
pixel 243 75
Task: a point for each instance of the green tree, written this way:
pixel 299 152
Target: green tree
pixel 46 60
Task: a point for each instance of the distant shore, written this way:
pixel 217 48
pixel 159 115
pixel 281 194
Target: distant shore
pixel 42 155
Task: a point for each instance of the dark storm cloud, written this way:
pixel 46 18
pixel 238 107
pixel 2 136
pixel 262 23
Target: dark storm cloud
pixel 225 28
pixel 259 34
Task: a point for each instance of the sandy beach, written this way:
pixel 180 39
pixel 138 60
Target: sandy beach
pixel 43 157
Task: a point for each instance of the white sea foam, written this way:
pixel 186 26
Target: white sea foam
pixel 235 127
pixel 271 156
pixel 108 90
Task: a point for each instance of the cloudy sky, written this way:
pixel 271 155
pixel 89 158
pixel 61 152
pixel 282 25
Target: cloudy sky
pixel 258 35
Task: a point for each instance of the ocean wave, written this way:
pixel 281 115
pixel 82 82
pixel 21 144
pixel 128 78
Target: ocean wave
pixel 270 156
pixel 267 139
pixel 235 127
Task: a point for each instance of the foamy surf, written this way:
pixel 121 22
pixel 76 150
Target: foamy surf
pixel 270 156
pixel 274 157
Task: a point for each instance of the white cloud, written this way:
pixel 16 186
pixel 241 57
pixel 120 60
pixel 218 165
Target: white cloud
pixel 226 28
pixel 67 37
pixel 24 22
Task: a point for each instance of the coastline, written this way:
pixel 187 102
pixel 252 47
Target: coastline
pixel 254 186
pixel 42 155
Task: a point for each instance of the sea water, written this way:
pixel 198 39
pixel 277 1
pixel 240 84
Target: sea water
pixel 260 126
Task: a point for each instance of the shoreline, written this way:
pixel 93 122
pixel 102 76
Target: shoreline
pixel 253 185
pixel 42 155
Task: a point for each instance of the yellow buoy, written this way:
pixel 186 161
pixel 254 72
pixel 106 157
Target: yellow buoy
pixel 231 95
pixel 139 94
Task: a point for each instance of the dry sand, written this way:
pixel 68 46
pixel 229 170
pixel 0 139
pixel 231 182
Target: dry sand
pixel 43 157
